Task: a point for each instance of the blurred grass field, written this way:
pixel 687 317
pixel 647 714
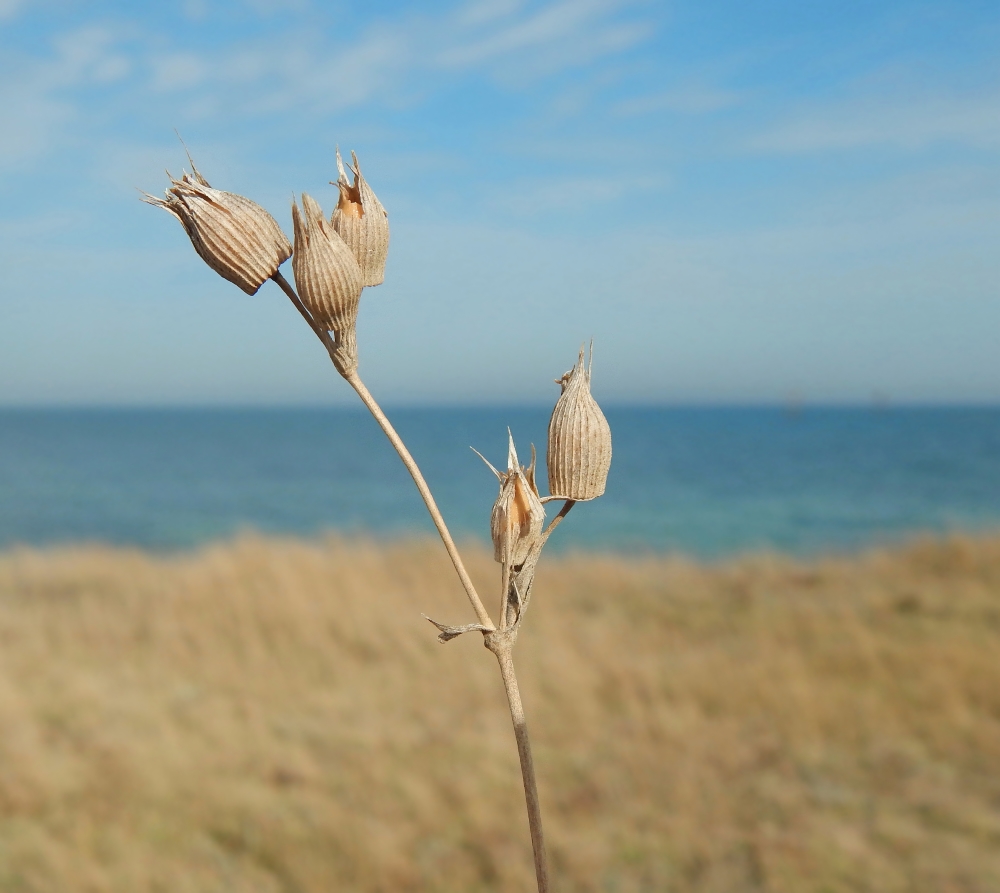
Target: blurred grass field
pixel 275 715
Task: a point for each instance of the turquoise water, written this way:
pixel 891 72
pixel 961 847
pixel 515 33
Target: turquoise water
pixel 712 482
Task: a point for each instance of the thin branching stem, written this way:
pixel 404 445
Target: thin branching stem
pixel 286 287
pixel 411 466
pixel 499 642
pixel 557 520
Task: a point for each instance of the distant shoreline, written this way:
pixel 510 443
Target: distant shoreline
pixel 350 408
pixel 333 539
pixel 710 482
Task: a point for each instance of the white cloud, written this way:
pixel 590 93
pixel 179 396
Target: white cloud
pixel 908 123
pixel 482 11
pixel 81 53
pixel 31 117
pixel 10 8
pixel 178 71
pixel 276 7
pixel 533 197
pixel 199 10
pixel 553 24
pixel 560 35
pixel 316 77
pixel 196 10
pixel 687 100
pixel 35 93
pixel 312 71
pixel 298 70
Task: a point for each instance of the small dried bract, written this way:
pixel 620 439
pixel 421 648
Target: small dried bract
pixel 235 236
pixel 362 222
pixel 578 456
pixel 327 276
pixel 518 514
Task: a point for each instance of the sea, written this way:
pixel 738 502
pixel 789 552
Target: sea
pixel 709 482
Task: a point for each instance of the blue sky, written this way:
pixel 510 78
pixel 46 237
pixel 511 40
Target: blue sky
pixel 740 203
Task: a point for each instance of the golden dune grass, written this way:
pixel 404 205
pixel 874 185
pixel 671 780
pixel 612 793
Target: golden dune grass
pixel 270 715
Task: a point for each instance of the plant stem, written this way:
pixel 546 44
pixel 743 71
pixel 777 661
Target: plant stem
pixel 500 643
pixel 501 647
pixel 411 466
pixel 355 382
pixel 563 512
pixel 294 298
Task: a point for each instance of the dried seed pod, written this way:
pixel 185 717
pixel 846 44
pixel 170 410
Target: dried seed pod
pixel 327 276
pixel 362 222
pixel 518 514
pixel 579 449
pixel 235 236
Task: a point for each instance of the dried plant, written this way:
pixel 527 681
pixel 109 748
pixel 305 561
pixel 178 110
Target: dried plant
pixel 579 453
pixel 234 236
pixel 332 262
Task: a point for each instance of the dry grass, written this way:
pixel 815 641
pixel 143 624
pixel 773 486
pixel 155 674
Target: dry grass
pixel 269 715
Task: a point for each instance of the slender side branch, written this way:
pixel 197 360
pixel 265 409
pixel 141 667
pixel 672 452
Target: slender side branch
pixel 500 645
pixel 294 298
pixel 505 581
pixel 522 581
pixel 411 466
pixel 563 512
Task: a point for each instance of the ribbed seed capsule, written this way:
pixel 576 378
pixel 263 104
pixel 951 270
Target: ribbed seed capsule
pixel 518 514
pixel 327 276
pixel 579 449
pixel 235 236
pixel 362 223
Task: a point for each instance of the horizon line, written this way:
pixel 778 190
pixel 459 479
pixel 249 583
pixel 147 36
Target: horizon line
pixel 789 406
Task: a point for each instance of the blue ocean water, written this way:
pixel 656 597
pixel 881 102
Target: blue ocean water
pixel 710 482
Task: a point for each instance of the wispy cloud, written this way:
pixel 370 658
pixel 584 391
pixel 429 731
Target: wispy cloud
pixel 548 156
pixel 199 10
pixel 564 33
pixel 177 71
pixel 692 99
pixel 300 68
pixel 534 197
pixel 499 37
pixel 295 69
pixel 36 93
pixel 481 12
pixel 10 8
pixel 910 122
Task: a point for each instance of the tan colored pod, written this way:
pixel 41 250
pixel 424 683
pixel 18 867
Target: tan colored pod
pixel 327 276
pixel 518 514
pixel 362 223
pixel 579 449
pixel 235 236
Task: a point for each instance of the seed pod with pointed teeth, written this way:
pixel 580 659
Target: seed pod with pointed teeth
pixel 327 276
pixel 518 514
pixel 235 236
pixel 362 223
pixel 579 449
